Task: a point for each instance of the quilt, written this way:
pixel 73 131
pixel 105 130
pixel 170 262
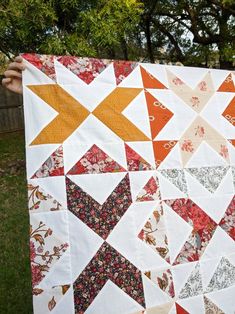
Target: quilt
pixel 131 180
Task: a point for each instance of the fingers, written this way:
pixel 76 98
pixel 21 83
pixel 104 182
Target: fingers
pixel 12 73
pixel 18 59
pixel 17 66
pixel 6 81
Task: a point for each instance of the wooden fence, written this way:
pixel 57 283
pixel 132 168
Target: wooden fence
pixel 11 111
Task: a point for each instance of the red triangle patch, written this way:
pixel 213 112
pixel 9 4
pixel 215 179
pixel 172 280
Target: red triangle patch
pixel 95 161
pixel 53 166
pixel 149 81
pixel 159 115
pixel 150 191
pixel 44 63
pixel 180 309
pixel 91 67
pixel 161 149
pixel 227 85
pixel 134 161
pixel 122 69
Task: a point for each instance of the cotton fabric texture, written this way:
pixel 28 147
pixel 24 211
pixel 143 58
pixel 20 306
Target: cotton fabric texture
pixel 131 173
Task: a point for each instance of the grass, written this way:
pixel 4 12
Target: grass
pixel 15 279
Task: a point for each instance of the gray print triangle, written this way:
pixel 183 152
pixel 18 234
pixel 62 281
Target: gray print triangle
pixel 209 177
pixel 177 177
pixel 193 286
pixel 223 277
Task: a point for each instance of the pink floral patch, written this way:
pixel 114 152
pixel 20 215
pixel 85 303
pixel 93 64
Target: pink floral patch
pixel 95 161
pixel 195 101
pixel 224 151
pixel 202 86
pixel 199 131
pixel 53 166
pixel 177 81
pixel 187 146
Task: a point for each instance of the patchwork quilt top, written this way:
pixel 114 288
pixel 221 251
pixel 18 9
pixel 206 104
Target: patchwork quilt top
pixel 131 173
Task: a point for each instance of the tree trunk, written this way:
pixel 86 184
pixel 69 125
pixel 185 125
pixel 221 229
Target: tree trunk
pixel 149 41
pixel 124 49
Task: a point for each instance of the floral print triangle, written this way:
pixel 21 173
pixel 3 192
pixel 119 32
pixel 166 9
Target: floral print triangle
pixel 134 161
pixel 154 233
pixel 193 286
pixel 122 69
pixel 45 250
pixel 41 201
pixel 87 69
pixel 209 177
pixel 44 63
pixel 203 229
pixel 227 223
pixel 47 299
pixel 211 308
pixel 176 177
pixel 223 277
pixel 150 191
pixel 163 279
pixel 94 161
pixel 53 166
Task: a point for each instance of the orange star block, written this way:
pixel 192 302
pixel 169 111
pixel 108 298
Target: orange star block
pixel 227 85
pixel 159 115
pixel 149 81
pixel 70 114
pixel 109 111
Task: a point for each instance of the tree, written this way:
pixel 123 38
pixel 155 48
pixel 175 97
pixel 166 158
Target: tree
pixel 195 32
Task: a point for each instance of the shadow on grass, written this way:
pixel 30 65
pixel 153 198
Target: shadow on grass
pixel 15 278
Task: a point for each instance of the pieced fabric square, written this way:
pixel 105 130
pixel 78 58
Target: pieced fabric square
pixel 131 180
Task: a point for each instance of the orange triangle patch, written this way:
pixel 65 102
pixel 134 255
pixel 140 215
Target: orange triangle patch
pixel 53 166
pixel 229 112
pixel 95 161
pixel 232 142
pixel 149 81
pixel 227 85
pixel 161 149
pixel 159 115
pixel 134 161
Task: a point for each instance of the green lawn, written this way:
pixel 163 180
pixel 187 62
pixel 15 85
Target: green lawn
pixel 15 280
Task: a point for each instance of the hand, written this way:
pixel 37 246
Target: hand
pixel 13 76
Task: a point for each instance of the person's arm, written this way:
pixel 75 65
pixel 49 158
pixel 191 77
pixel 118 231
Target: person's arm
pixel 13 76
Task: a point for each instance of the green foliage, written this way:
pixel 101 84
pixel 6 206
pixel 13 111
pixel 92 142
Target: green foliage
pixel 193 32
